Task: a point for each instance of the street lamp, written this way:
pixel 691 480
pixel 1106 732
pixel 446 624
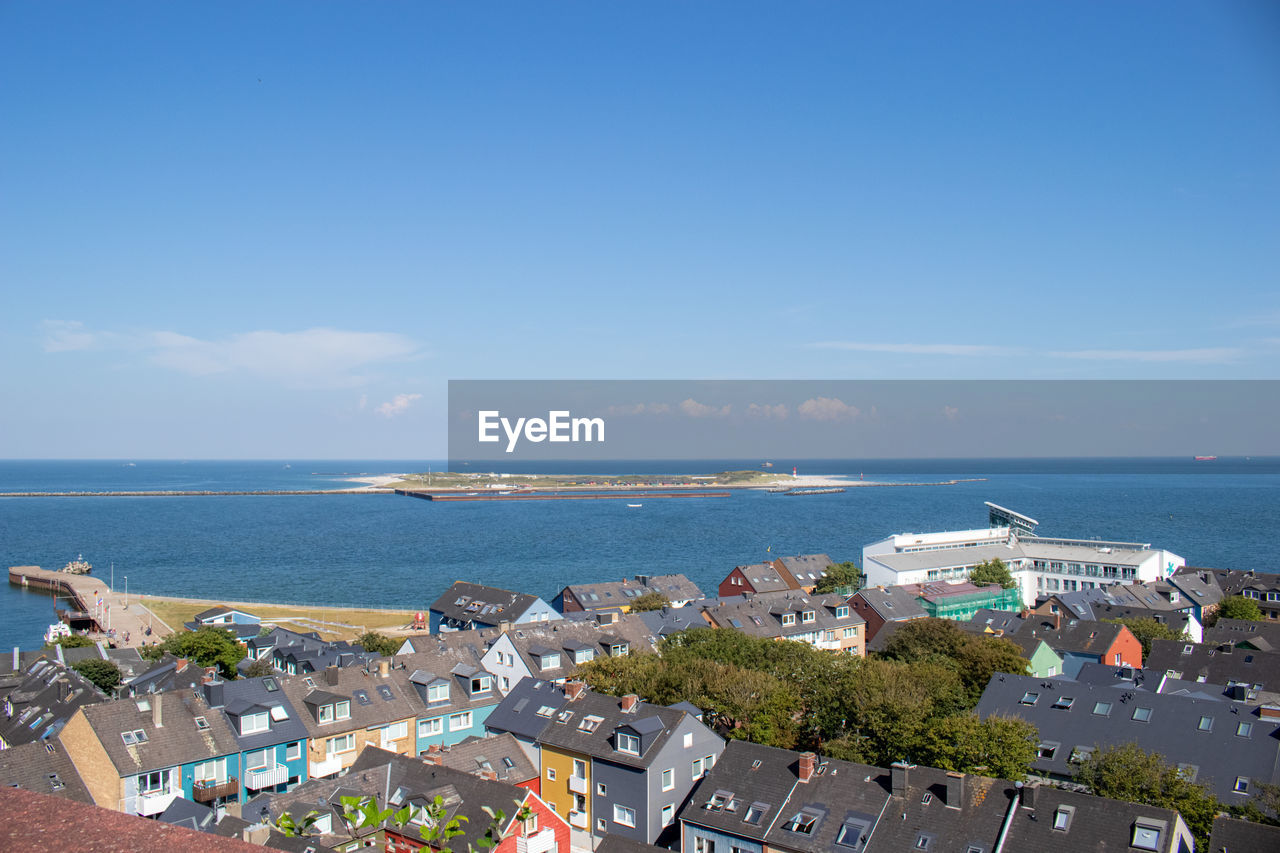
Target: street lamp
pixel 126 590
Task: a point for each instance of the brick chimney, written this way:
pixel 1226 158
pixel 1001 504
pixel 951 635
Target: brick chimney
pixel 157 714
pixel 808 763
pixel 1029 791
pixel 435 755
pixel 384 668
pixel 179 665
pixel 491 775
pixel 1057 621
pixel 629 703
pixel 574 689
pixel 331 676
pixel 955 790
pixel 898 778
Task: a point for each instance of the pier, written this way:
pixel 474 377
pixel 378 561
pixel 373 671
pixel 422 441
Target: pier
pixel 189 494
pixel 82 593
pixel 554 496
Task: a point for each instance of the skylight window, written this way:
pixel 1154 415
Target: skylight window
pixel 590 723
pixel 1146 834
pixel 1064 703
pixel 1047 751
pixel 270 684
pixel 802 823
pixel 1142 715
pixel 1029 698
pixel 1102 709
pixel 546 711
pixel 1244 729
pixel 1205 724
pixel 201 723
pixel 1062 818
pixel 755 813
pixel 361 697
pixel 279 714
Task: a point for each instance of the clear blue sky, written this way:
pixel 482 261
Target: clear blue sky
pixel 277 229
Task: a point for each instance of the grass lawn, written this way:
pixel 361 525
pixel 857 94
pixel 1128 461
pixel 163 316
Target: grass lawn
pixel 331 622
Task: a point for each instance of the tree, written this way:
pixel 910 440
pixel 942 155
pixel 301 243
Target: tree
pixel 1132 774
pixel 844 574
pixel 104 674
pixel 207 647
pixel 1238 607
pixel 260 668
pixel 379 644
pixel 436 825
pixel 974 657
pixel 1147 629
pixel 992 571
pixel 71 641
pixel 1003 747
pixel 649 601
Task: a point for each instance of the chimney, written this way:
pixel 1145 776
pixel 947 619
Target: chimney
pixel 1057 621
pixel 63 688
pixel 574 689
pixel 808 762
pixel 491 775
pixel 157 715
pixel 1029 794
pixel 257 834
pixel 629 703
pixel 384 668
pixel 179 665
pixel 435 755
pixel 955 790
pixel 504 627
pixel 331 676
pixel 898 778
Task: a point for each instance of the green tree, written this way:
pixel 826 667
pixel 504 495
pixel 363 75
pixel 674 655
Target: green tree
pixel 1003 747
pixel 649 601
pixel 379 644
pixel 104 674
pixel 992 571
pixel 260 668
pixel 1238 607
pixel 1147 629
pixel 207 647
pixel 844 574
pixel 71 641
pixel 974 657
pixel 1132 774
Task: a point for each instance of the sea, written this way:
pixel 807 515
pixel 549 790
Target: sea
pixel 385 550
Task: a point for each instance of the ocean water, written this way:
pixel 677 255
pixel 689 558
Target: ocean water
pixel 393 551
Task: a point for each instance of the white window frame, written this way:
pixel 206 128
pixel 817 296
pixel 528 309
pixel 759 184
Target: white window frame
pixel 628 743
pixel 293 751
pixel 434 691
pixel 431 727
pixel 624 816
pixel 342 710
pixel 460 721
pixel 340 744
pixel 251 724
pixel 668 779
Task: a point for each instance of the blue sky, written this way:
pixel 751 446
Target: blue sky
pixel 276 230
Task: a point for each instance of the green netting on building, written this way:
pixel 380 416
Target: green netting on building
pixel 962 607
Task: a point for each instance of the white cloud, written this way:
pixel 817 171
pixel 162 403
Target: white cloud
pixel 951 413
pixel 914 349
pixel 638 409
pixel 827 409
pixel 312 357
pixel 398 406
pixel 1204 355
pixel 694 409
pixel 778 412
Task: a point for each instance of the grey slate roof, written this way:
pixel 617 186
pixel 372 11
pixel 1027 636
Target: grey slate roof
pixel 1216 664
pixel 44 768
pixel 996 620
pixel 177 741
pixel 612 842
pixel 518 713
pixel 532 642
pixel 465 603
pixel 753 774
pixel 672 620
pixel 1079 636
pixel 609 594
pixel 38 701
pixel 500 753
pixel 476 641
pixel 653 723
pixel 1230 835
pixel 1172 728
pixel 455 666
pixel 891 603
pixel 251 695
pixel 167 674
pixel 761 615
pixel 403 703
pixel 806 569
pixel 1259 635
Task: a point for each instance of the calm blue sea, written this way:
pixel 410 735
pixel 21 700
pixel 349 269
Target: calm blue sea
pixel 386 550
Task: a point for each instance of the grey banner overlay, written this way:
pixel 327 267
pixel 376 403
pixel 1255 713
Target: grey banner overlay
pixel 854 419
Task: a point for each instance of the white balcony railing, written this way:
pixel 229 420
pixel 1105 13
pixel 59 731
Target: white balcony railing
pixel 578 784
pixel 579 820
pixel 154 803
pixel 328 767
pixel 542 841
pixel 256 780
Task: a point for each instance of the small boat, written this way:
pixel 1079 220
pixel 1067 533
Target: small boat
pixel 633 506
pixel 766 464
pixel 1206 459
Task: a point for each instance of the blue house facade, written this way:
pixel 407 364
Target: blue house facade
pixel 456 702
pixel 465 606
pixel 271 737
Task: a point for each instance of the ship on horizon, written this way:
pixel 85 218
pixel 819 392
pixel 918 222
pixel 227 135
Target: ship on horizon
pixel 1206 458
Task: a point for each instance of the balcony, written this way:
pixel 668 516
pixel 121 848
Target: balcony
pixel 256 780
pixel 578 784
pixel 205 792
pixel 542 841
pixel 328 767
pixel 579 820
pixel 154 802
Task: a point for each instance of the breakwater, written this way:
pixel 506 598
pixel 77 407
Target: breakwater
pixel 184 493
pixel 554 496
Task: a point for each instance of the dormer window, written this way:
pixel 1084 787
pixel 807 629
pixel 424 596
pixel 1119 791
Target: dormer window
pixel 788 619
pixel 583 655
pixel 842 612
pixel 549 661
pixel 808 616
pixel 1146 834
pixel 254 723
pixel 481 684
pixel 617 650
pixel 628 743
pixel 438 692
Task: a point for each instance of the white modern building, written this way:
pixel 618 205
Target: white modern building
pixel 1040 565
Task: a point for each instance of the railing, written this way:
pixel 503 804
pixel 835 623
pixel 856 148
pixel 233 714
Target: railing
pixel 327 767
pixel 256 780
pixel 542 841
pixel 205 792
pixel 578 820
pixel 578 784
pixel 154 803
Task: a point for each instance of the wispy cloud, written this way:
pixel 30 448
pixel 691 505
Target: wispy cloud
pixel 694 409
pixel 397 406
pixel 913 349
pixel 638 409
pixel 1200 355
pixel 827 409
pixel 319 356
pixel 777 412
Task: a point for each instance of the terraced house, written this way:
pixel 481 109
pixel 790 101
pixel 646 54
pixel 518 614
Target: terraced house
pixel 270 734
pixel 454 697
pixel 346 709
pixel 619 766
pixel 823 621
pixel 139 755
pixel 553 652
